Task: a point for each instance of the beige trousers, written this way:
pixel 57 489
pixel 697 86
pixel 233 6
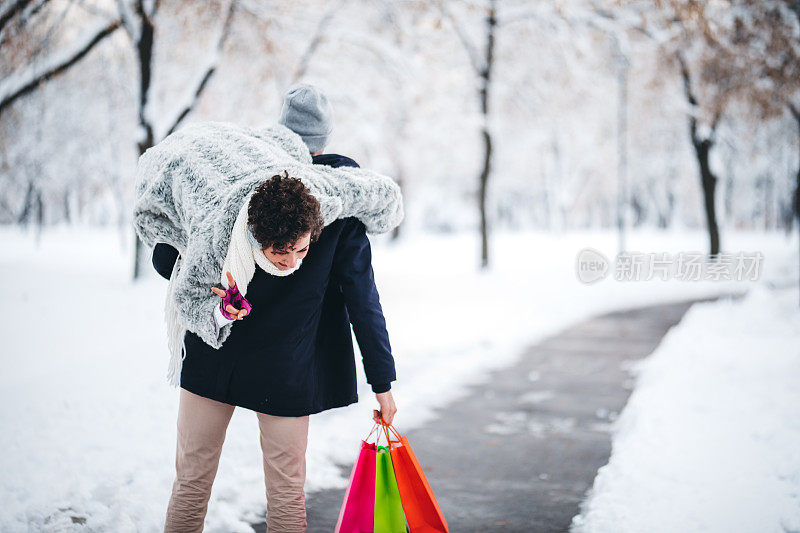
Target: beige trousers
pixel 201 431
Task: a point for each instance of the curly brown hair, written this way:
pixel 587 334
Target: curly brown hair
pixel 281 211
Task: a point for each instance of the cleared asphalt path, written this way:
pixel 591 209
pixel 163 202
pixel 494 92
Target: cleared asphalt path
pixel 519 452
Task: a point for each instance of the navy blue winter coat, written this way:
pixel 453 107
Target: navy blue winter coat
pixel 293 354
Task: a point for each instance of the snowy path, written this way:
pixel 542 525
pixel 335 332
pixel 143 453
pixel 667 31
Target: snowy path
pixel 519 452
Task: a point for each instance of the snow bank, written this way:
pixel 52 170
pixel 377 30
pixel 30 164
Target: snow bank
pixel 710 438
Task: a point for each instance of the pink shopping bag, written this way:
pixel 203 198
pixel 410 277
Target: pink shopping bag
pixel 357 513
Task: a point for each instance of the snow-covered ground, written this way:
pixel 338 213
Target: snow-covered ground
pixel 87 420
pixel 710 438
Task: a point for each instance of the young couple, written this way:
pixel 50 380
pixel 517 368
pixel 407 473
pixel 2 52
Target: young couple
pixel 290 351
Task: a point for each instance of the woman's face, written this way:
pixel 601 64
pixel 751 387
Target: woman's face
pixel 287 258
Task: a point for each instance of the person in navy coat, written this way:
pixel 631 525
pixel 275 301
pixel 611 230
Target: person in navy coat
pixel 290 353
pixel 307 314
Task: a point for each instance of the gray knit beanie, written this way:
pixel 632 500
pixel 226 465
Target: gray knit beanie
pixel 306 112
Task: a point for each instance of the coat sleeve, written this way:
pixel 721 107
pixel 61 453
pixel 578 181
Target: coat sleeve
pixel 352 269
pixel 164 257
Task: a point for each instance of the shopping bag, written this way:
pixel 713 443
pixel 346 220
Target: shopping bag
pixel 389 517
pixel 356 514
pixel 419 504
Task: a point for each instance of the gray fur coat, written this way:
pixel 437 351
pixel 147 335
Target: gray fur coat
pixel 191 186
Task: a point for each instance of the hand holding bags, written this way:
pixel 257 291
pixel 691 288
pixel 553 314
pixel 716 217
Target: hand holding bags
pixel 388 492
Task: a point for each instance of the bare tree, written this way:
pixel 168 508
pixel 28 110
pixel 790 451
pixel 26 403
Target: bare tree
pixel 139 22
pixel 750 53
pixel 482 64
pixel 138 18
pixel 702 144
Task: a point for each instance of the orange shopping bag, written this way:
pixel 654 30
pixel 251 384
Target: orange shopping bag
pixel 419 504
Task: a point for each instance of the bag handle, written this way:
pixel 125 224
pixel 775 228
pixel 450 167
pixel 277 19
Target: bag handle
pixel 396 434
pixel 379 433
pixel 386 428
pixel 371 431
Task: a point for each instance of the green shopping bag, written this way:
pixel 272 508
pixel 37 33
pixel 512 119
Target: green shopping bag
pixel 389 516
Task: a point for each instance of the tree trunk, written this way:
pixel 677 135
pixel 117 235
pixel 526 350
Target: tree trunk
pixel 486 78
pixel 144 48
pixel 708 182
pixel 623 194
pixel 796 198
pixel 39 211
pixel 483 68
pixel 24 216
pixel 702 148
pixel 67 210
pixel 769 201
pixel 484 179
pixel 34 206
pixel 396 230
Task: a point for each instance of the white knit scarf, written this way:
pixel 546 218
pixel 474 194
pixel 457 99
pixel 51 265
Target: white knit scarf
pixel 244 253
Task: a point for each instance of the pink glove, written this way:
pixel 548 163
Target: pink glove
pixel 234 298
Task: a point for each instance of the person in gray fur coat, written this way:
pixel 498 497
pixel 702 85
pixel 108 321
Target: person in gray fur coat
pixel 277 340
